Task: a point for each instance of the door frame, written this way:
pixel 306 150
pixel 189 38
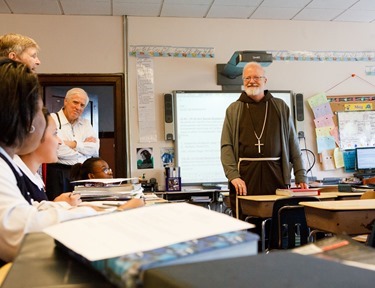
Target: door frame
pixel 115 80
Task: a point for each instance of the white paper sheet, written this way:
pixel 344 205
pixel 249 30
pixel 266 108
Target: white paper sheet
pixel 141 229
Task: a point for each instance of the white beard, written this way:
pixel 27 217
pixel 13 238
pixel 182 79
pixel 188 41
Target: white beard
pixel 253 91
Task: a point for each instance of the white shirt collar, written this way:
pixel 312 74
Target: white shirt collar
pixel 2 151
pixel 35 178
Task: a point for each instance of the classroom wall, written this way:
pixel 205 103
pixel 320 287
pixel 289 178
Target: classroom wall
pixel 95 44
pixel 72 44
pixel 227 36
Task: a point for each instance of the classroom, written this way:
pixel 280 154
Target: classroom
pixel 109 40
pixel 111 43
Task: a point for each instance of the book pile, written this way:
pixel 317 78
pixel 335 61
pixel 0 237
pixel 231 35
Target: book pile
pixel 107 189
pixel 297 192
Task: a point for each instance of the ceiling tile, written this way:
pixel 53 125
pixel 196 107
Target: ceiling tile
pixel 4 8
pixel 357 16
pixel 184 10
pixel 285 3
pixel 137 1
pixel 365 5
pixel 331 4
pixel 137 9
pixel 237 2
pixel 86 7
pixel 223 11
pixel 34 7
pixel 188 2
pixel 274 13
pixel 318 14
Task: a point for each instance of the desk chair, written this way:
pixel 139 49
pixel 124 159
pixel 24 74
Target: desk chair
pixel 288 223
pixel 371 237
pixel 201 202
pixel 228 209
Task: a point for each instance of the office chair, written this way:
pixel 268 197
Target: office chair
pixel 288 223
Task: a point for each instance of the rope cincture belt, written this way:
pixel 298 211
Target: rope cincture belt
pixel 257 159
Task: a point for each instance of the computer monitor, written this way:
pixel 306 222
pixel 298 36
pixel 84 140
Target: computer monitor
pixel 365 159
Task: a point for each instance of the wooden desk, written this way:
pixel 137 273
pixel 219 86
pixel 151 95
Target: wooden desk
pixel 215 201
pixel 152 198
pixel 39 265
pixel 262 205
pixel 277 269
pixel 350 217
pixel 348 195
pixel 326 188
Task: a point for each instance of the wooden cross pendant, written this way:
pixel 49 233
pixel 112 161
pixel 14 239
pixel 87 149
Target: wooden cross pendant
pixel 259 144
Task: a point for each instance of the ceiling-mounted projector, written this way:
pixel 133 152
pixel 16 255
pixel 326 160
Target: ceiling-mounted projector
pixel 239 59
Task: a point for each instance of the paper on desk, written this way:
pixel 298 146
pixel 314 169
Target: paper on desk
pixel 141 229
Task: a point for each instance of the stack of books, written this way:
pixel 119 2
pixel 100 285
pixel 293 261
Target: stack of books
pixel 107 189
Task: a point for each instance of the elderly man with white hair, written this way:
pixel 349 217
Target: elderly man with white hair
pixel 79 141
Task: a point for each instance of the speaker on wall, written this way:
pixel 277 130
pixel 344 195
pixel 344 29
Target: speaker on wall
pixel 300 116
pixel 168 117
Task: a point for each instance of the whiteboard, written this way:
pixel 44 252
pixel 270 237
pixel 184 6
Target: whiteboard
pixel 356 129
pixel 199 117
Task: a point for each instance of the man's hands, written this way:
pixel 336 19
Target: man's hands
pixel 240 186
pixel 73 144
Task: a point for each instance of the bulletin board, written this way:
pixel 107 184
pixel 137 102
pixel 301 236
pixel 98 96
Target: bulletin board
pixel 354 116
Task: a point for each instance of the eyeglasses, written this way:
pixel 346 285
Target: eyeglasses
pixel 255 78
pixel 107 170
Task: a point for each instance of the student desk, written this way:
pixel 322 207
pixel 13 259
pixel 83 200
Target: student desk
pixel 186 194
pixel 39 265
pixel 350 217
pixel 348 195
pixel 261 206
pixel 276 269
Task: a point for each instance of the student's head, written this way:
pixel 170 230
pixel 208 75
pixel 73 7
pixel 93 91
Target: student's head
pixel 22 122
pixel 254 80
pixel 75 102
pixel 92 168
pixel 47 149
pixel 20 48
